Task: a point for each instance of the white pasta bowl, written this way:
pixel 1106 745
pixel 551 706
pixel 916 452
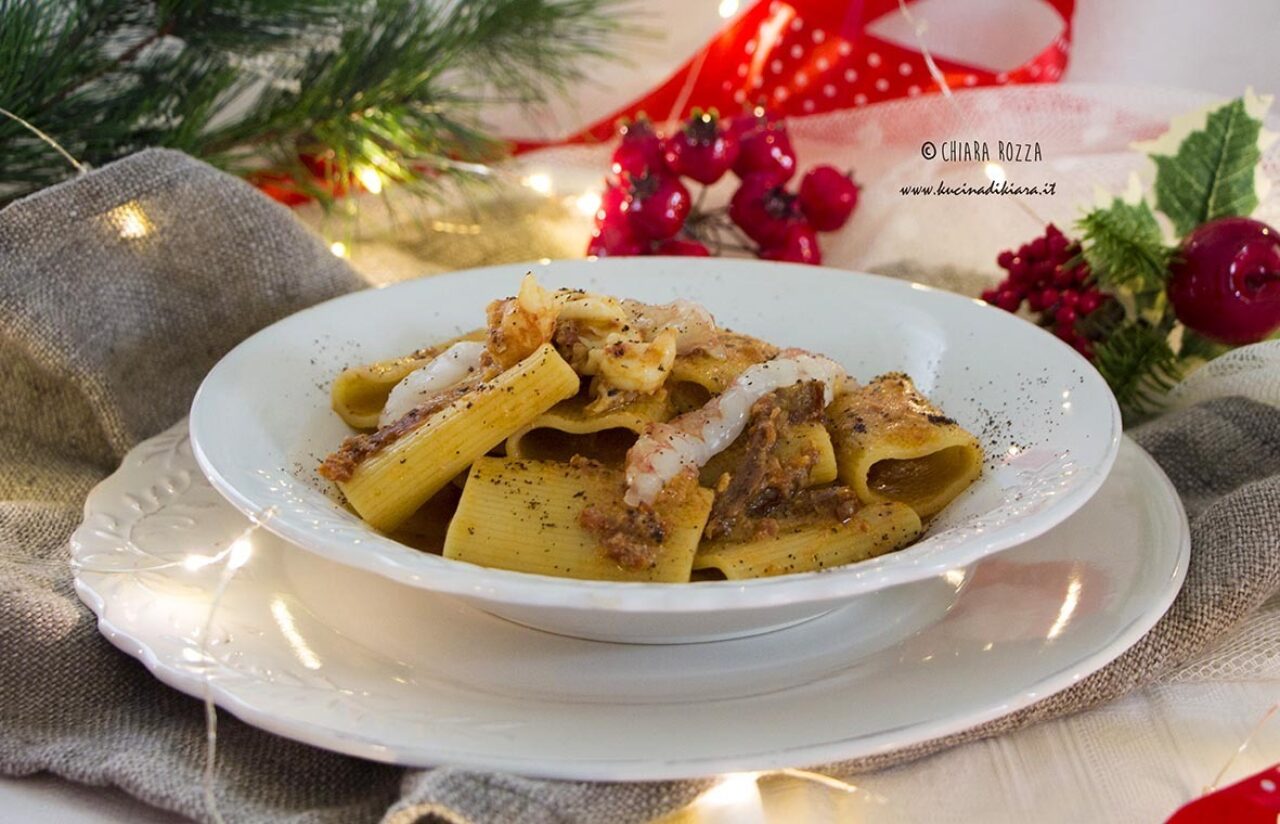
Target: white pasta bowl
pixel 1050 427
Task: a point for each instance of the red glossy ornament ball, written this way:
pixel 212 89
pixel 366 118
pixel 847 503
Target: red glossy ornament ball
pixel 1225 281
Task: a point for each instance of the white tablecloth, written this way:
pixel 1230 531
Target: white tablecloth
pixel 1134 760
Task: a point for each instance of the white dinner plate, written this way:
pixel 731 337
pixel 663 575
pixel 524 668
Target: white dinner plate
pixel 261 423
pixel 354 662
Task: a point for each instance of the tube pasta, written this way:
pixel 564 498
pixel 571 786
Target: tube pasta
pixel 386 488
pixel 698 375
pixel 792 444
pixel 524 516
pixel 807 547
pixel 892 444
pixel 569 429
pixel 359 393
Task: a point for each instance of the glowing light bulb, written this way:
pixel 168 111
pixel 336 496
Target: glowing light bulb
pixel 737 791
pixel 241 551
pixel 130 221
pixel 588 203
pixel 370 179
pixel 192 563
pixel 540 182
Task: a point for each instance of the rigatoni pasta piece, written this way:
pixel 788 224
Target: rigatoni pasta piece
pixel 807 546
pixel 388 485
pixel 526 516
pixel 793 443
pixel 569 429
pixel 698 375
pixel 359 393
pixel 892 444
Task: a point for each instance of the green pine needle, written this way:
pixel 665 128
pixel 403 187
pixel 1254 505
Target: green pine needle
pixel 250 85
pixel 1125 248
pixel 1140 366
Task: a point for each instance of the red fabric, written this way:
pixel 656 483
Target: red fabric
pixel 1256 800
pixel 802 57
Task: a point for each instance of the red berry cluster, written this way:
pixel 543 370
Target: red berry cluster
pixel 1051 276
pixel 647 209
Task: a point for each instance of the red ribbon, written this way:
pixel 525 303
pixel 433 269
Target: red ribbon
pixel 800 57
pixel 1255 800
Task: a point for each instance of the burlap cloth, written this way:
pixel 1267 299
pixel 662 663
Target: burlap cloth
pixel 120 289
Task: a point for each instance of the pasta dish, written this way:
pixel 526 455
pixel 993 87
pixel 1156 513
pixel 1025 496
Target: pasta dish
pixel 586 436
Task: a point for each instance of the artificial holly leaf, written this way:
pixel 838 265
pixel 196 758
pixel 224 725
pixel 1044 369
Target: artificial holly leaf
pixel 1125 248
pixel 1212 173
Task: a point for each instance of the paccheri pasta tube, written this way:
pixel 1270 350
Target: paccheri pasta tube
pixel 892 444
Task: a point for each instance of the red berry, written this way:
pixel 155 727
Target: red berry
pixel 766 151
pixel 640 150
pixel 1008 300
pixel 747 123
pixel 1225 284
pixel 989 295
pixel 762 209
pixel 1019 270
pixel 1063 277
pixel 1065 317
pixel 827 197
pixel 679 247
pixel 799 244
pixel 1038 248
pixel 613 206
pixel 1005 259
pixel 659 205
pixel 1042 272
pixel 1043 299
pixel 1089 301
pixel 615 240
pixel 702 150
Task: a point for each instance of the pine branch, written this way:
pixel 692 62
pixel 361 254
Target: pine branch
pixel 1125 248
pixel 393 85
pixel 1139 366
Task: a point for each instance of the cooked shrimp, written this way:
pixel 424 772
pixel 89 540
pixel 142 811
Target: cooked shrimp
pixel 690 440
pixel 632 366
pixel 694 325
pixel 519 325
pixel 448 369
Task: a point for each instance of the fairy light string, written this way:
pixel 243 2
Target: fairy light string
pixel 55 145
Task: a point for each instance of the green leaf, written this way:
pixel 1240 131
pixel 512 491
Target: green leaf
pixel 1125 248
pixel 1140 367
pixel 1211 175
